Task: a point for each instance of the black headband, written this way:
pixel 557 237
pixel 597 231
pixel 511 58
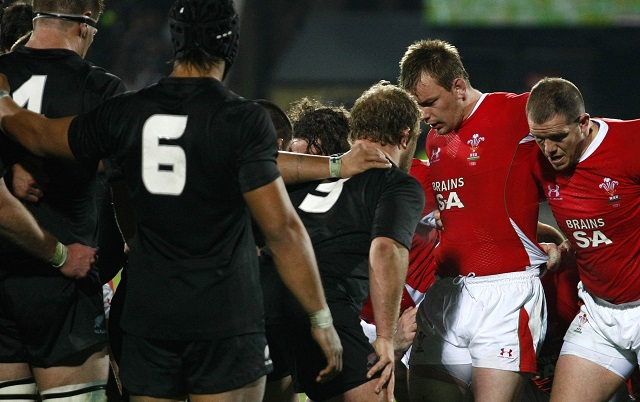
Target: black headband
pixel 83 19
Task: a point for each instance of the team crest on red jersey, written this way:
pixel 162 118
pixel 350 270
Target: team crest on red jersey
pixel 474 144
pixel 609 186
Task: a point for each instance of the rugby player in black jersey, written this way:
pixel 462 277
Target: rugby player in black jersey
pixel 361 229
pixel 53 326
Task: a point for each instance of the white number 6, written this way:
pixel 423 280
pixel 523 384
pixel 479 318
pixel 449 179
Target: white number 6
pixel 164 167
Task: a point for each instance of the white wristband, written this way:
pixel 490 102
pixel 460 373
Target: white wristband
pixel 321 318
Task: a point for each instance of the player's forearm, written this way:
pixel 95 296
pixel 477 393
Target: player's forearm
pixel 18 226
pixel 40 135
pixel 387 274
pixel 298 168
pixel 294 258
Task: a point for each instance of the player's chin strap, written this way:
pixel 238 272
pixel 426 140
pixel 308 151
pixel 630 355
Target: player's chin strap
pixel 18 390
pixel 83 19
pixel 87 392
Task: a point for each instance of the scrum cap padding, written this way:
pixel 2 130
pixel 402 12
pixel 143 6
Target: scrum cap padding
pixel 194 25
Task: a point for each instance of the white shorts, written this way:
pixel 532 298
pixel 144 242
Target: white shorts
pixel 604 333
pixel 494 321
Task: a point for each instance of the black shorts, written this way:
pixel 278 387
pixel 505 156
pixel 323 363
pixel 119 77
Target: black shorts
pixel 175 369
pixel 46 318
pixel 308 359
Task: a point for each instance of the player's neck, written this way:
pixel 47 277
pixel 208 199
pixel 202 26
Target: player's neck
pixel 591 135
pixel 185 70
pixel 45 38
pixel 472 98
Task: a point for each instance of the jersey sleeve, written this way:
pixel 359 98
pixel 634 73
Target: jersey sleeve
pixel 420 170
pixel 399 209
pixel 258 150
pixel 90 138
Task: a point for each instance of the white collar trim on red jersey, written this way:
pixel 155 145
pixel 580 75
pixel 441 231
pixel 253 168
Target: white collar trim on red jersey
pixel 482 96
pixel 602 132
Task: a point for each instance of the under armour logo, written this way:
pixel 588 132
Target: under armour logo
pixel 553 192
pixel 507 352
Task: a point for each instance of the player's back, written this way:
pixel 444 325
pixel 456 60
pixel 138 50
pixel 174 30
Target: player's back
pixel 342 218
pixel 188 149
pixel 56 83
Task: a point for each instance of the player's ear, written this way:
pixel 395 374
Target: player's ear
pixel 404 142
pixel 459 87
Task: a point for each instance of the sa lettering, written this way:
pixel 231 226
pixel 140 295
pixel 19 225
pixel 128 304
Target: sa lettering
pixel 596 238
pixel 452 201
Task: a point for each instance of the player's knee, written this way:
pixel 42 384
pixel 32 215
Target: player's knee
pixel 19 390
pixel 87 392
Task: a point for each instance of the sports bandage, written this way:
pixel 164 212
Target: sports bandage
pixel 335 166
pixel 321 318
pixel 59 256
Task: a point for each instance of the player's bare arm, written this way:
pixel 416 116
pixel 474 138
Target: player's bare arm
pixel 555 244
pixel 388 263
pixel 297 168
pixel 294 258
pixel 20 227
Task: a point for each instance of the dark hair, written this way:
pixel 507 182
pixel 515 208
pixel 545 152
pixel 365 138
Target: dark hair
pixel 324 127
pixel 204 32
pixel 554 96
pixel 280 120
pixel 16 22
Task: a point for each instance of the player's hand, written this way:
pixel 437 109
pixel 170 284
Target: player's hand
pixel 25 185
pixel 438 220
pixel 553 252
pixel 567 252
pixel 406 331
pixel 362 157
pixel 330 344
pixel 80 260
pixel 385 364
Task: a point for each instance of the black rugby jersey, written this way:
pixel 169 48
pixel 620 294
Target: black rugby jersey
pixel 188 148
pixel 57 83
pixel 344 216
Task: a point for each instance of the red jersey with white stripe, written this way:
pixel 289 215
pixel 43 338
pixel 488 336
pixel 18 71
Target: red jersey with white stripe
pixel 422 266
pixel 482 180
pixel 597 205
